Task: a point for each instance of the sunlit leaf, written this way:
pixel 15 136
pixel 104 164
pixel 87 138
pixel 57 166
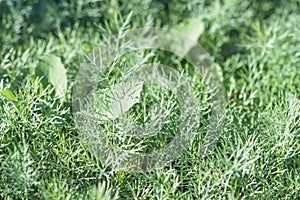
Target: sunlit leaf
pixel 9 95
pixel 191 28
pixel 112 103
pixel 53 71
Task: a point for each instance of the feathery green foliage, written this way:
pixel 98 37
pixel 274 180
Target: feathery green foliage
pixel 255 43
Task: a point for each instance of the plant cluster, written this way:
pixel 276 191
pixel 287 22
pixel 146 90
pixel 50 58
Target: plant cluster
pixel 255 44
